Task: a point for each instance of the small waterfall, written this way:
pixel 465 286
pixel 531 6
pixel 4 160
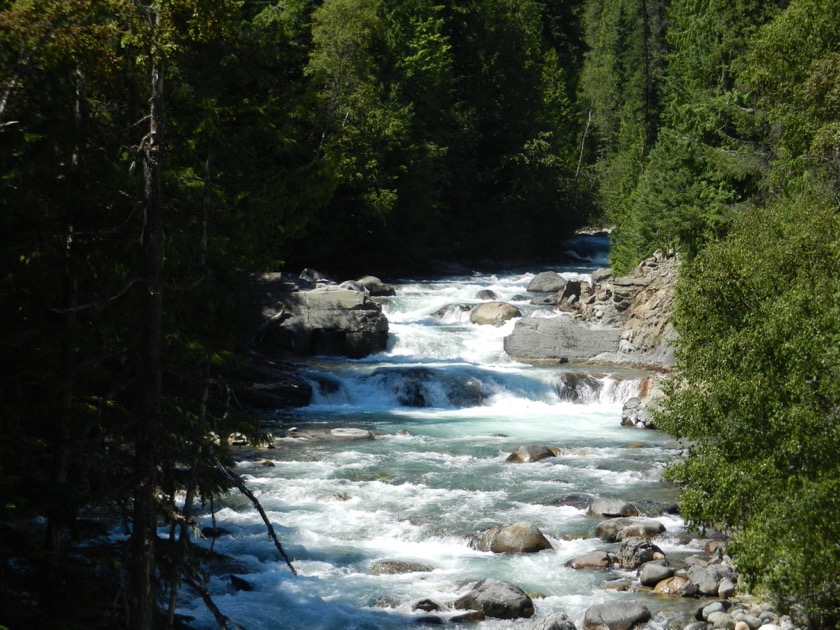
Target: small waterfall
pixel 447 406
pixel 585 389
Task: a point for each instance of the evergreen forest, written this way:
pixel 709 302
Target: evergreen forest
pixel 154 153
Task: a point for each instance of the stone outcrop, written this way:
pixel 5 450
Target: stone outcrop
pixel 560 339
pixel 640 304
pixel 324 320
pixel 619 320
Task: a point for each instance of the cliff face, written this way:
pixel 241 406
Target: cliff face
pixel 640 304
pixel 624 320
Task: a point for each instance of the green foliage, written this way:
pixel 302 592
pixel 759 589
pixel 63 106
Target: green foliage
pixel 794 66
pixel 756 396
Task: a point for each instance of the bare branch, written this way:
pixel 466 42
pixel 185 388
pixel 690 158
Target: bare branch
pixel 98 303
pixel 237 481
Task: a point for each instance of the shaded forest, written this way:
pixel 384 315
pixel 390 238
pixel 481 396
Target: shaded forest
pixel 153 154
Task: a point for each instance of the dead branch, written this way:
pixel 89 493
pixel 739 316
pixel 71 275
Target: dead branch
pixel 237 481
pixel 98 303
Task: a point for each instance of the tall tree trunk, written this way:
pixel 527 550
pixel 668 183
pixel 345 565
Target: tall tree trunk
pixel 141 597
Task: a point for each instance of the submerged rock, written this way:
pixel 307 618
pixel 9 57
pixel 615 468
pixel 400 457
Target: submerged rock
pixel 393 567
pixel 533 453
pixel 616 616
pixel 592 560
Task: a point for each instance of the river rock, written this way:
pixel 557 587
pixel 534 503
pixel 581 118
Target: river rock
pixel 393 567
pixel 486 294
pixel 708 578
pixel 654 572
pixel 328 320
pixel 266 386
pixel 601 275
pixel 617 529
pixel 546 282
pixel 678 585
pixel 239 584
pixel 532 453
pixel 493 313
pixel 498 599
pixel 519 538
pixel 556 621
pixel 634 552
pixel 376 287
pixel 615 616
pixel 338 434
pixel 721 620
pixel 560 339
pixel 612 508
pixel 592 560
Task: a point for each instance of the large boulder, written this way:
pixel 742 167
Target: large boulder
pixel 634 552
pixel 618 529
pixel 519 538
pixel 612 508
pixel 708 578
pixel 652 573
pixel 678 586
pixel 560 339
pixel 616 616
pixel 493 313
pixel 328 320
pixel 547 282
pixel 498 599
pixel 376 287
pixel 556 621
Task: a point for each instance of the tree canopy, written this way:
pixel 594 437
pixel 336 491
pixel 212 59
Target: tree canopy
pixel 154 153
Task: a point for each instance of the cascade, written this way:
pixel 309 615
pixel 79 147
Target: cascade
pixel 447 407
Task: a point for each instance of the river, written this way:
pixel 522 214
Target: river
pixel 447 406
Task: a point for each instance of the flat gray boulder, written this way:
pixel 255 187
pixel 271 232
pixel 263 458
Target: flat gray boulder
pixel 498 599
pixel 612 508
pixel 616 616
pixel 652 573
pixel 547 282
pixel 560 339
pixel 329 320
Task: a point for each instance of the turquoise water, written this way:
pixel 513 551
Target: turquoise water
pixel 436 474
